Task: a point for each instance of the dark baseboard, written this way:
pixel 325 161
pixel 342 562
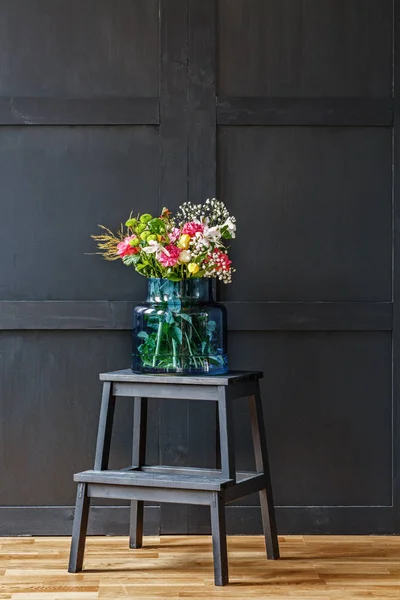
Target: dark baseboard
pixel 241 520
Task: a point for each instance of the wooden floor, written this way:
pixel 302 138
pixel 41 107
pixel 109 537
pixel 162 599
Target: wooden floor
pixel 315 568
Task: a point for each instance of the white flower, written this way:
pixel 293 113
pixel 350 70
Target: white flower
pixel 185 256
pixel 212 234
pixel 229 223
pixel 153 247
pixel 156 247
pixel 199 241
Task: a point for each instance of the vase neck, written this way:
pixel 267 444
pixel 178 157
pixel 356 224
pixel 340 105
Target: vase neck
pixel 187 290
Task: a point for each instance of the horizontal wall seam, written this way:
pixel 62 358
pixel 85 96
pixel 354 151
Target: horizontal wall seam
pixel 79 111
pixel 242 316
pixel 345 112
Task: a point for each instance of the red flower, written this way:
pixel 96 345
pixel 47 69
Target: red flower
pixel 220 260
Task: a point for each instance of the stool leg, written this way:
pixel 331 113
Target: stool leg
pixel 262 466
pixel 105 429
pixel 79 529
pixel 217 440
pixel 138 460
pixel 218 530
pixel 227 447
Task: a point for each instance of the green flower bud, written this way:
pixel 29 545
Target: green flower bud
pixel 152 238
pixel 144 235
pixel 132 223
pixel 145 218
pixel 135 242
pixel 141 227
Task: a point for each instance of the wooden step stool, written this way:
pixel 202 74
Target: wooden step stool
pixel 141 482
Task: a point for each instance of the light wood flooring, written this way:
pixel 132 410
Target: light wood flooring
pixel 314 568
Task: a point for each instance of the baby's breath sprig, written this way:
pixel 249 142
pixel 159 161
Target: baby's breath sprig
pixel 213 212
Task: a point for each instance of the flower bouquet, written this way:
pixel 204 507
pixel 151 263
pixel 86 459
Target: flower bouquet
pixel 180 328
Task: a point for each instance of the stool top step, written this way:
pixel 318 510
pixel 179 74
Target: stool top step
pixel 232 377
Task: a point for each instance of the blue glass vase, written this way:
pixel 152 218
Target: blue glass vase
pixel 180 329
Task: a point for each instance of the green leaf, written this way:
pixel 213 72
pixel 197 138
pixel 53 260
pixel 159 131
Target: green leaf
pixel 169 318
pixel 167 288
pixel 226 234
pixel 143 335
pixel 211 325
pixel 151 342
pixel 131 259
pixel 174 304
pixel 216 360
pixel 185 317
pixel 177 334
pixel 156 226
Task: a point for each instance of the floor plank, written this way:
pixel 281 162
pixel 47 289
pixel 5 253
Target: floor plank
pixel 311 568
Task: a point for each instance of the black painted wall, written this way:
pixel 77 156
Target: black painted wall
pixel 286 110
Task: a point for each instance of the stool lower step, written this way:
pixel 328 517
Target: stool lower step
pixel 154 480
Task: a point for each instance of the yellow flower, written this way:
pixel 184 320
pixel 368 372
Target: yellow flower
pixel 184 241
pixel 193 268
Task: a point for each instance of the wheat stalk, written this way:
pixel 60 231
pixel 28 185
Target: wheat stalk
pixel 108 242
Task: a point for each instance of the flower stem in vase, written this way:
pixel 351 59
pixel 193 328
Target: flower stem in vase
pixel 158 343
pixel 174 353
pixel 190 349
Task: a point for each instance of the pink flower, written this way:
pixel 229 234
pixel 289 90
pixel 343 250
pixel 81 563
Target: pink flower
pixel 174 235
pixel 124 247
pixel 192 228
pixel 169 256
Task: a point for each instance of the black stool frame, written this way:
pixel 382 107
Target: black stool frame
pixel 187 485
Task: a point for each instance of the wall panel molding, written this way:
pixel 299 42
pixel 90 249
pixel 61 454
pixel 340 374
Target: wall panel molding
pixel 79 111
pixel 243 316
pixel 345 112
pixel 241 520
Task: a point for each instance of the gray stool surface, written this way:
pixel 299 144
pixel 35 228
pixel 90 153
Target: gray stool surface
pixel 139 482
pixel 229 378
